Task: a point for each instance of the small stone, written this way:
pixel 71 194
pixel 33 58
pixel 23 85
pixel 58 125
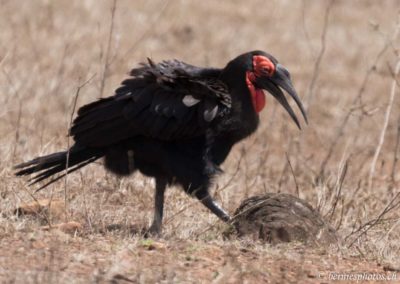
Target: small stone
pixel 42 206
pixel 70 227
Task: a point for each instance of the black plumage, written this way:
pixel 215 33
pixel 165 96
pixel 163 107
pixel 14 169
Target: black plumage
pixel 172 121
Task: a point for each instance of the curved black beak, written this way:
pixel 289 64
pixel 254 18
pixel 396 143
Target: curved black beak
pixel 281 79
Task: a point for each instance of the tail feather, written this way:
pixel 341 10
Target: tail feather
pixel 47 166
pixel 70 170
pixel 39 163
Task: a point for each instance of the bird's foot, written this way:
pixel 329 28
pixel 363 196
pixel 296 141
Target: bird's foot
pixel 209 202
pixel 154 231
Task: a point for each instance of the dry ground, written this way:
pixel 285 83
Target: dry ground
pixel 342 62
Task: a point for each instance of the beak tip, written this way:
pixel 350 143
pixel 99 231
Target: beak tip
pixel 282 80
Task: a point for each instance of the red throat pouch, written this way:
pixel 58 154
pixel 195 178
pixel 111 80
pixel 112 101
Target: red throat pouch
pixel 259 100
pixel 257 95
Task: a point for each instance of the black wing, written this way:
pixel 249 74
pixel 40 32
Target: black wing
pixel 170 100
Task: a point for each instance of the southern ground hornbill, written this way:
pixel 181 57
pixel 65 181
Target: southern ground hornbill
pixel 174 122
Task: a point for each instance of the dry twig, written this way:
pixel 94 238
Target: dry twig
pixel 384 126
pixel 339 189
pixel 396 153
pixel 340 130
pixel 371 223
pixel 293 174
pixel 68 142
pixel 146 33
pixel 17 130
pixel 106 62
pixel 317 65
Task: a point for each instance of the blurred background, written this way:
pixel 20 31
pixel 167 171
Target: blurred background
pixel 342 56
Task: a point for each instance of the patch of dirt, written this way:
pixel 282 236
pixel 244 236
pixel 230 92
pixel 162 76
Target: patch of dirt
pixel 55 257
pixel 71 227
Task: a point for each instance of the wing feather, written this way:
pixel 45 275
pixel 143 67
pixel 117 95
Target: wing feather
pixel 170 100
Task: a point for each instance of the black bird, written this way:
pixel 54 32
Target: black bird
pixel 174 122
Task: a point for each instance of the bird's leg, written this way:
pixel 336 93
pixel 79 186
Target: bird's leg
pixel 155 228
pixel 210 203
pixel 210 170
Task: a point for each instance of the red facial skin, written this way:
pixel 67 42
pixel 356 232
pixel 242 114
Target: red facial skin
pixel 262 66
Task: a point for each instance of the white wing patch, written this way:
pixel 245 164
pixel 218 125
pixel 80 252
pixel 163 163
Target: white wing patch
pixel 210 114
pixel 190 101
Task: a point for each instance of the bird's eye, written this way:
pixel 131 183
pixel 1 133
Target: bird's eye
pixel 266 70
pixel 283 70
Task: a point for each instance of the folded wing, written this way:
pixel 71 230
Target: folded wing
pixel 170 100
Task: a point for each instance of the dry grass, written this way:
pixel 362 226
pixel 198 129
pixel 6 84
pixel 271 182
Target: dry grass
pixel 48 48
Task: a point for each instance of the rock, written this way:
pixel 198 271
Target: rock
pixel 42 206
pixel 70 227
pixel 278 217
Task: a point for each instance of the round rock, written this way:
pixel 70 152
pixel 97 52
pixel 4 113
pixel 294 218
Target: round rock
pixel 278 217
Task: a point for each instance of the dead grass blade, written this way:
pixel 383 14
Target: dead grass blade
pixel 393 204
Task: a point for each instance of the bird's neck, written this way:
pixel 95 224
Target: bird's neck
pixel 243 119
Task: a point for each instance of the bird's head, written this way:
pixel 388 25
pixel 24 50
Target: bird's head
pixel 263 72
